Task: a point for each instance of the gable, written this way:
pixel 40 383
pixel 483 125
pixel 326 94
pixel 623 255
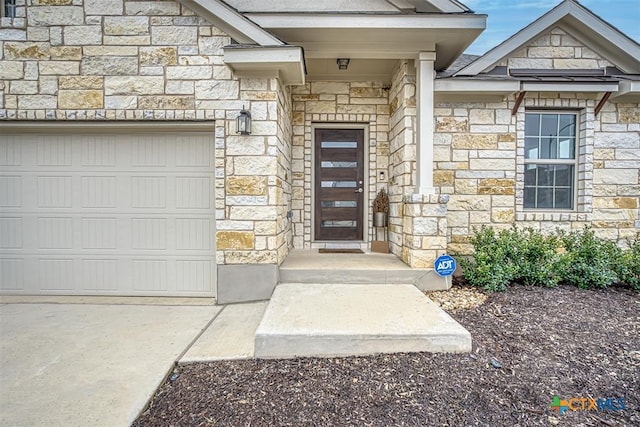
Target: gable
pixel 575 21
pixel 555 50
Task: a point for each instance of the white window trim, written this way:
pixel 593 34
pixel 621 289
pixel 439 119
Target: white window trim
pixel 574 162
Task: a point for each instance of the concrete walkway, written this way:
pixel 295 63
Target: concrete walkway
pixel 89 365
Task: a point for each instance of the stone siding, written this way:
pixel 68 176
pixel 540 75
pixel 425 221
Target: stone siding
pixel 114 60
pixel 479 156
pixel 328 104
pixel 556 50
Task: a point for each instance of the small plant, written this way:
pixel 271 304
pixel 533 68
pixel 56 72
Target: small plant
pixel 628 264
pixel 589 260
pixel 381 202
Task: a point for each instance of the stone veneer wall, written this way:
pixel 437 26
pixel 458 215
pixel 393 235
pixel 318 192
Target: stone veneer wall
pixel 323 104
pixel 402 149
pixel 479 156
pixel 112 60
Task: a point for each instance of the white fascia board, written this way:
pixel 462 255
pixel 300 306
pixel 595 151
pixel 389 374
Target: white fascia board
pixel 569 87
pixel 476 86
pixel 231 22
pixel 357 21
pixel 284 62
pixel 545 23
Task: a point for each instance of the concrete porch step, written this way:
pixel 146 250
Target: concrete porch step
pixel 343 320
pixel 309 266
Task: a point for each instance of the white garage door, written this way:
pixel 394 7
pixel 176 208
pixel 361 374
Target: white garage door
pixel 107 214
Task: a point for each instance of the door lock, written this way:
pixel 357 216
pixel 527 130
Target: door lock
pixel 359 190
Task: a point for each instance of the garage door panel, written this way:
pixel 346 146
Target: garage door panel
pixel 107 214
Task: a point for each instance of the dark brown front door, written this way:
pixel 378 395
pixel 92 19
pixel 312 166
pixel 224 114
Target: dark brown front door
pixel 339 184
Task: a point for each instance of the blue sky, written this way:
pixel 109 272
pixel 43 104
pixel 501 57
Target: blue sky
pixel 506 17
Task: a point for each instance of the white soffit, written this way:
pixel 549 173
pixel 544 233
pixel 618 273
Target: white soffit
pixel 342 6
pixel 286 62
pixel 629 91
pixel 376 36
pixel 577 21
pixel 231 22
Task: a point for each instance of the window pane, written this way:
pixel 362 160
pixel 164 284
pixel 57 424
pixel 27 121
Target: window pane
pixel 339 144
pixel 338 184
pixel 338 204
pixel 530 197
pixel 567 124
pixel 549 125
pixel 339 164
pixel 530 175
pixel 531 148
pixel 564 198
pixel 564 175
pixel 566 148
pixel 547 148
pixel 532 124
pixel 545 175
pixel 545 198
pixel 338 224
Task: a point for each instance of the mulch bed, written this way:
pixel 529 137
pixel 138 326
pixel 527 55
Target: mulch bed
pixel 529 345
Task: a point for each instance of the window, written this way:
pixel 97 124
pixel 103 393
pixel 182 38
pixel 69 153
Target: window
pixel 8 8
pixel 550 160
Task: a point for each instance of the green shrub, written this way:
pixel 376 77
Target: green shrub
pixel 538 259
pixel 589 260
pixel 628 265
pixel 491 266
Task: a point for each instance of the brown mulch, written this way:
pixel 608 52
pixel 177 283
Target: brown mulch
pixel 529 344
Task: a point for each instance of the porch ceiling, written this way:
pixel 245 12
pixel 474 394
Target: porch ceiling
pixel 367 36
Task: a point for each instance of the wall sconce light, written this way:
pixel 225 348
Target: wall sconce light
pixel 243 122
pixel 343 63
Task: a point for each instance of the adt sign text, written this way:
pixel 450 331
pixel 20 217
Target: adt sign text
pixel 445 265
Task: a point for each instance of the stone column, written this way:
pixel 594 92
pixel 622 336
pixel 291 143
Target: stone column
pixel 425 76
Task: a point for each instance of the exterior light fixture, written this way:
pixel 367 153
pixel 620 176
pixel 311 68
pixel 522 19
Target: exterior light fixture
pixel 343 63
pixel 243 122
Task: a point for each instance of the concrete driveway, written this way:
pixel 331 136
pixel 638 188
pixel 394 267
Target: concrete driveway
pixel 89 364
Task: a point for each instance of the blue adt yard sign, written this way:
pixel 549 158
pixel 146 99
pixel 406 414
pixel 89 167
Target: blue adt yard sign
pixel 445 265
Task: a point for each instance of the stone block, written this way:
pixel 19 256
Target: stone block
pixel 246 185
pixel 238 240
pixel 221 89
pixel 121 102
pixel 482 116
pixel 174 35
pixel 629 115
pixel 178 87
pixel 245 145
pixel 103 7
pixel 126 25
pixel 127 40
pixel 475 141
pixel 166 102
pixel 37 102
pixel 443 177
pixel 367 92
pixel 255 165
pixel 12 70
pixel 80 99
pixel 575 63
pixel 166 55
pixel 60 68
pixel 504 215
pixel 67 53
pixel 538 63
pixel 615 176
pixel 110 51
pixel 333 88
pixel 26 50
pixel 452 124
pixel 23 87
pixel 257 213
pixel 43 16
pixel 497 186
pixel 82 35
pixel 133 85
pixel 81 82
pixel 492 164
pixel 109 65
pixel 469 203
pixel 551 52
pixel 150 8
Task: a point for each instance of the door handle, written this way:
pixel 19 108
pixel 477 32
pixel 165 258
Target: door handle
pixel 359 190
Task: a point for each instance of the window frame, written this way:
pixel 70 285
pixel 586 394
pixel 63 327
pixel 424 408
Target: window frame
pixel 3 5
pixel 542 161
